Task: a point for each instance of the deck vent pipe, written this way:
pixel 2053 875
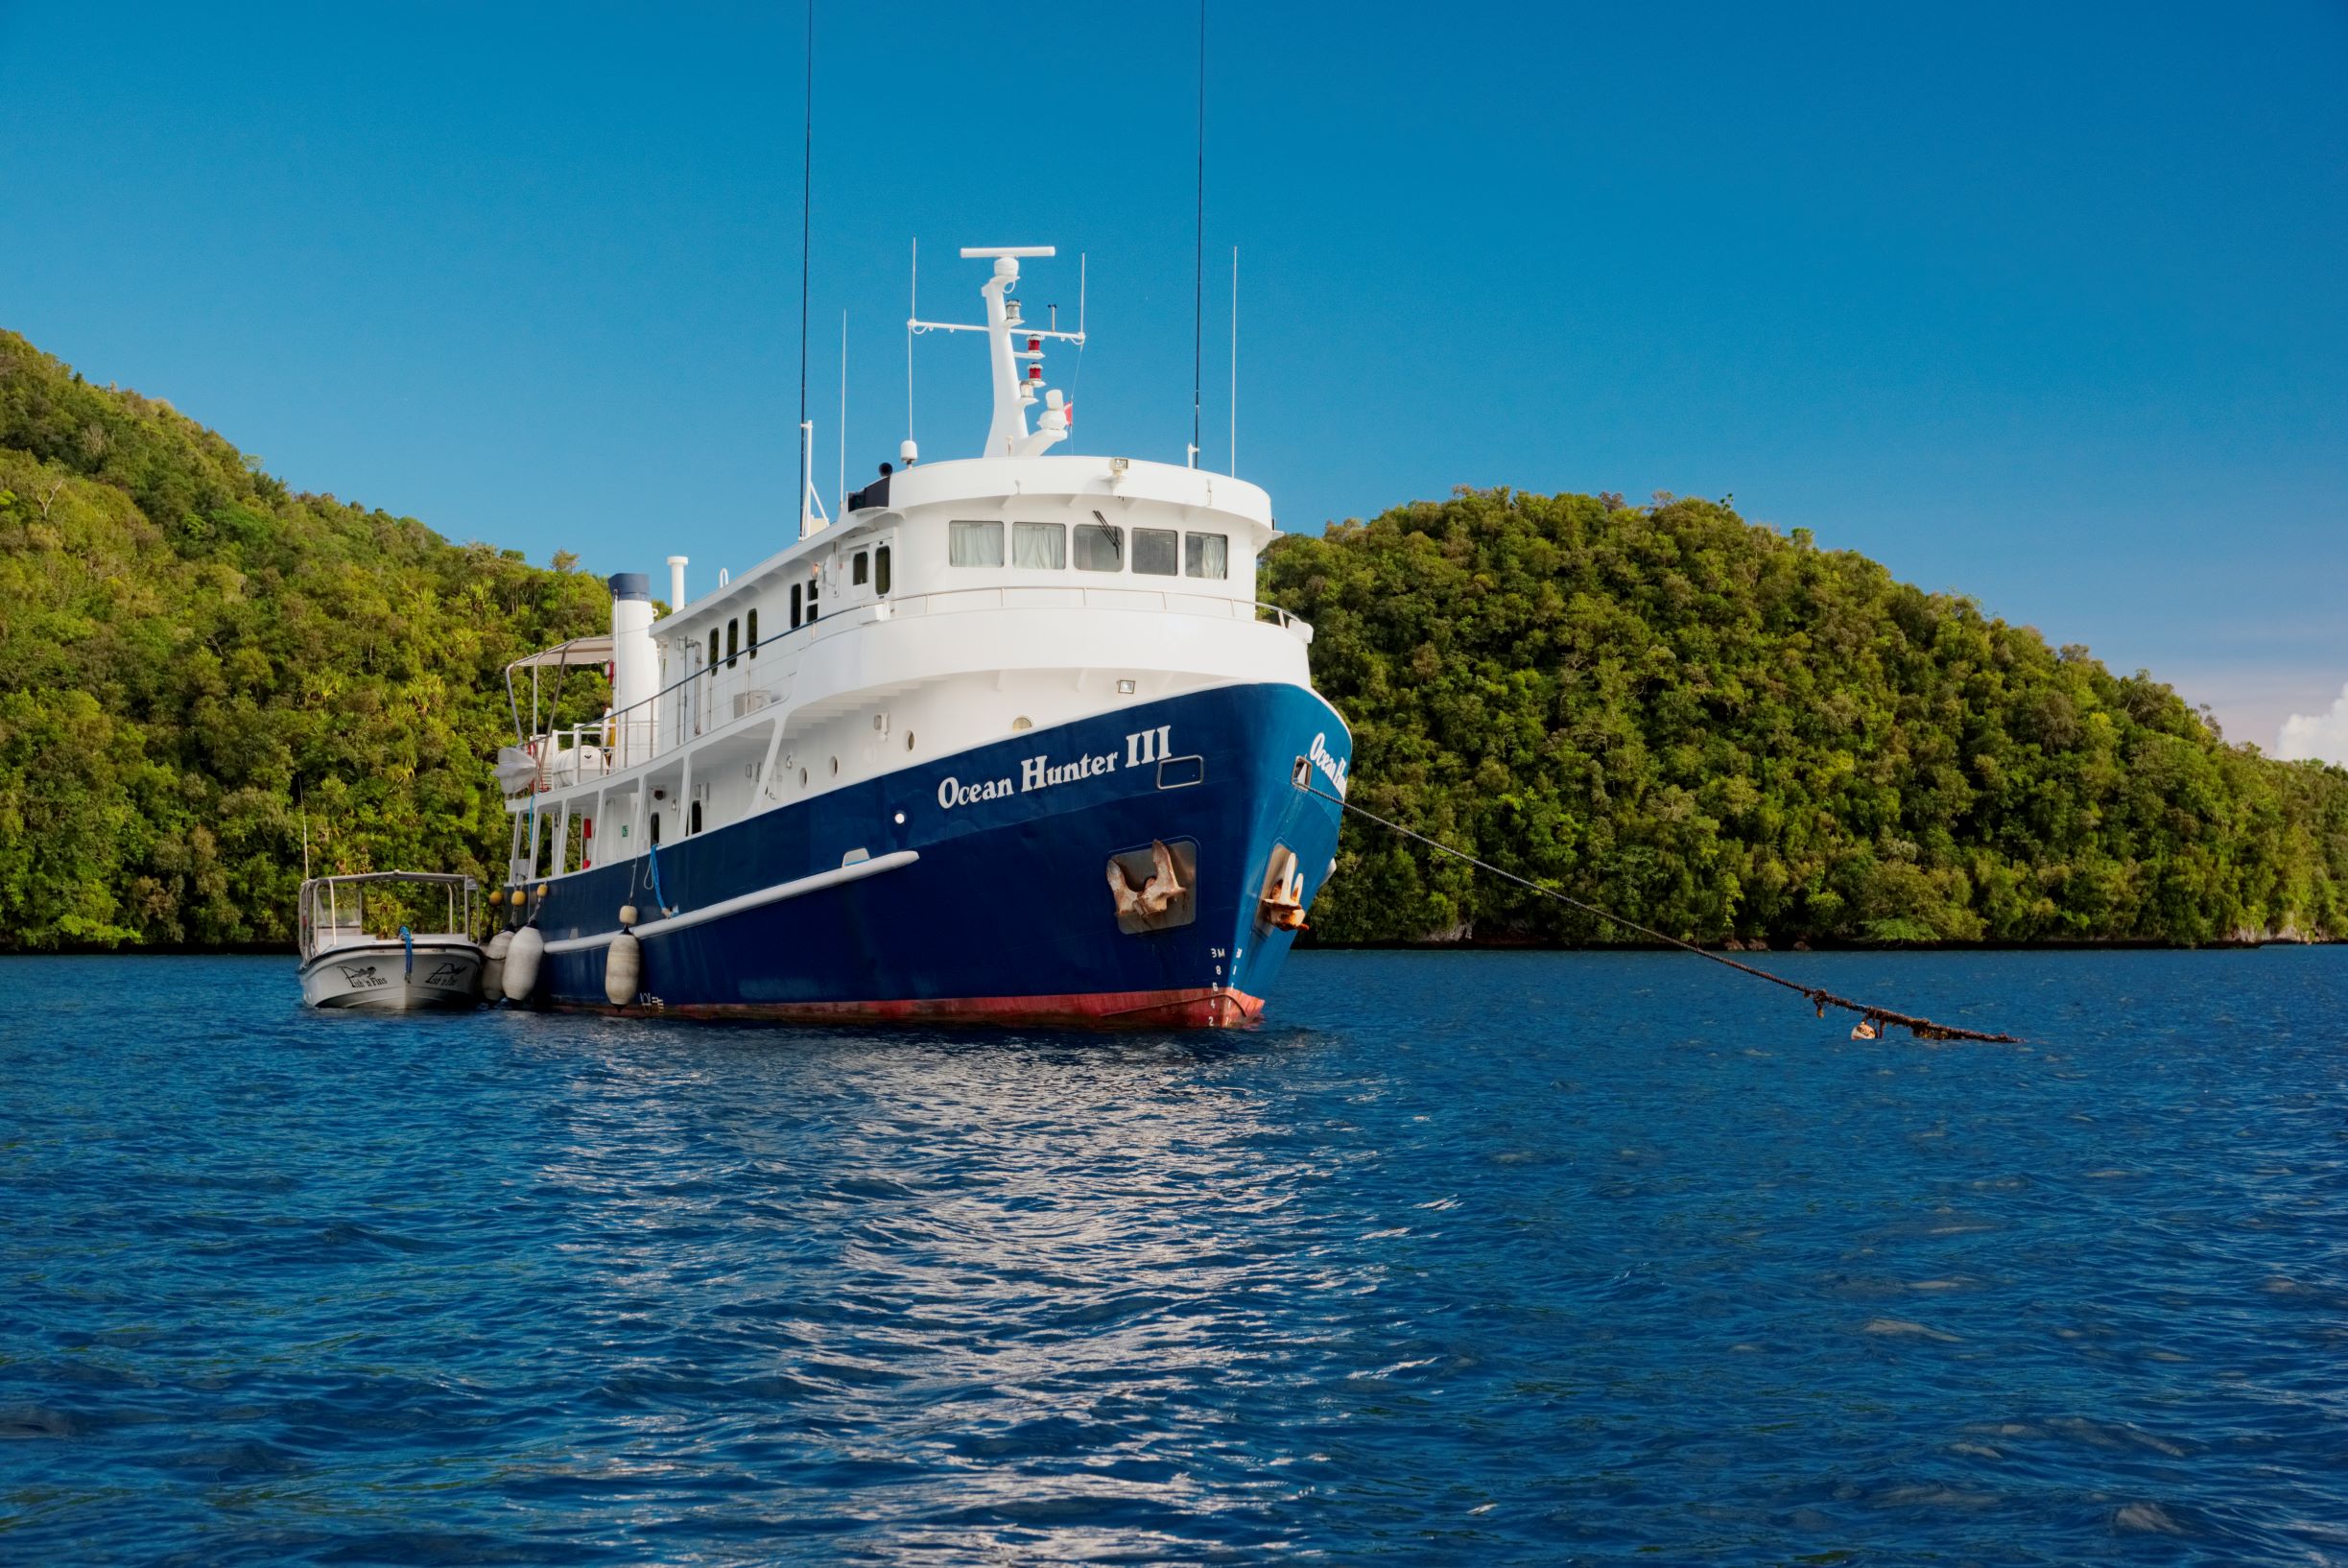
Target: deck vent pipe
pixel 677 584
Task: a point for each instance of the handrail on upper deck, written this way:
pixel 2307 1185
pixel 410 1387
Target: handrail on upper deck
pixel 620 720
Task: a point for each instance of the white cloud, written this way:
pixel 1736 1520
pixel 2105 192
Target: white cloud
pixel 2322 736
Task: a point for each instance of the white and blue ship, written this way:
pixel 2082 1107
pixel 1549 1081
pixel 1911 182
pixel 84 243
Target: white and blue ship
pixel 1009 740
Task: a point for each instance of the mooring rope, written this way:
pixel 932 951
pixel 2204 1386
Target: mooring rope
pixel 1875 1017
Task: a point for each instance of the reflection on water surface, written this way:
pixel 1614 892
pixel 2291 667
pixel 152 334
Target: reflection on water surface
pixel 1482 1257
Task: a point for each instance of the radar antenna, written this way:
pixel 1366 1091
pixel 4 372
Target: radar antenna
pixel 1009 435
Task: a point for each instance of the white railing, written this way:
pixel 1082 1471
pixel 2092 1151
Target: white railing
pixel 1086 596
pixel 761 676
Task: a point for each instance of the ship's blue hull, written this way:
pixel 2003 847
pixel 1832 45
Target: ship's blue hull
pixel 975 887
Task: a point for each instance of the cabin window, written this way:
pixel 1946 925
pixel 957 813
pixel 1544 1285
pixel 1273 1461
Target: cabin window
pixel 861 567
pixel 880 571
pixel 733 643
pixel 693 818
pixel 974 545
pixel 713 647
pixel 795 604
pixel 814 579
pixel 656 827
pixel 1205 554
pixel 1101 547
pixel 750 631
pixel 1040 547
pixel 1157 552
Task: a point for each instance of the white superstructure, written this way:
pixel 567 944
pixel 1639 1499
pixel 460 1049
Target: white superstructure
pixel 951 605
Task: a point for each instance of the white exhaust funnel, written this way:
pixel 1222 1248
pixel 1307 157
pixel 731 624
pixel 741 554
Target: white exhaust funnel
pixel 635 667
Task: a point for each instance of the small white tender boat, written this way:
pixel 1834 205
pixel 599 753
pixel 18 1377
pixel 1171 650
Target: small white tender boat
pixel 346 963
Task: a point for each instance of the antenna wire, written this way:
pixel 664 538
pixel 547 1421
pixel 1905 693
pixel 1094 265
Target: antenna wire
pixel 807 207
pixel 1198 360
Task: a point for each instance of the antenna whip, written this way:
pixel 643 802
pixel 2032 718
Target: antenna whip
pixel 844 413
pixel 807 207
pixel 1197 357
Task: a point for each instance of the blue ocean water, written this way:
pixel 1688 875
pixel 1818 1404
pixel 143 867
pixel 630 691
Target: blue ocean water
pixel 1468 1258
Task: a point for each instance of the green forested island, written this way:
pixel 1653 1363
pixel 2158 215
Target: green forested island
pixel 1713 728
pixel 1729 734
pixel 197 664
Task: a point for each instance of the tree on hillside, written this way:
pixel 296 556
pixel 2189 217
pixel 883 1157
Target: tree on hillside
pixel 1727 733
pixel 196 660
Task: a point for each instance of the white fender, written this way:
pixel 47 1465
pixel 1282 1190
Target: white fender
pixel 494 965
pixel 623 967
pixel 623 961
pixel 522 964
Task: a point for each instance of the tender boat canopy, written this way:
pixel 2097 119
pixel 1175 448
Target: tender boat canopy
pixel 579 651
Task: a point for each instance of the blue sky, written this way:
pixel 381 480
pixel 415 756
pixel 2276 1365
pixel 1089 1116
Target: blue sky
pixel 2040 303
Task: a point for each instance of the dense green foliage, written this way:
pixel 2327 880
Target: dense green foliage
pixel 194 662
pixel 1727 733
pixel 1710 727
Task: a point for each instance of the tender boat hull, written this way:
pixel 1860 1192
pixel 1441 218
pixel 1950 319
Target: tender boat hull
pixel 973 888
pixel 378 976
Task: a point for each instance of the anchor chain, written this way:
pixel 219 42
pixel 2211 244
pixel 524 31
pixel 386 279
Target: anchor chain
pixel 1872 1020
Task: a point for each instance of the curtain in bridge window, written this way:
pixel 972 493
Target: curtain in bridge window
pixel 974 545
pixel 1040 547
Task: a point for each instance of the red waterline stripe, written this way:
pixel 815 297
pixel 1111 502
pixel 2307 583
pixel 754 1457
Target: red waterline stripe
pixel 1202 1006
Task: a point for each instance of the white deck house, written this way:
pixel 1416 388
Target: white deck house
pixel 954 603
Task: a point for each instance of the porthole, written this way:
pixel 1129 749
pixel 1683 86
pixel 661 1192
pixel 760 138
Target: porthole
pixel 835 767
pixel 802 778
pixel 1023 722
pixel 908 740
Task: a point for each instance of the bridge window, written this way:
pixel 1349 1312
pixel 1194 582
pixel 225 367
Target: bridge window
pixel 713 647
pixel 862 564
pixel 1205 554
pixel 794 604
pixel 1101 547
pixel 752 631
pixel 974 545
pixel 880 571
pixel 1040 547
pixel 733 643
pixel 1157 552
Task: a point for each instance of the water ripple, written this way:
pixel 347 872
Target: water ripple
pixel 1490 1258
